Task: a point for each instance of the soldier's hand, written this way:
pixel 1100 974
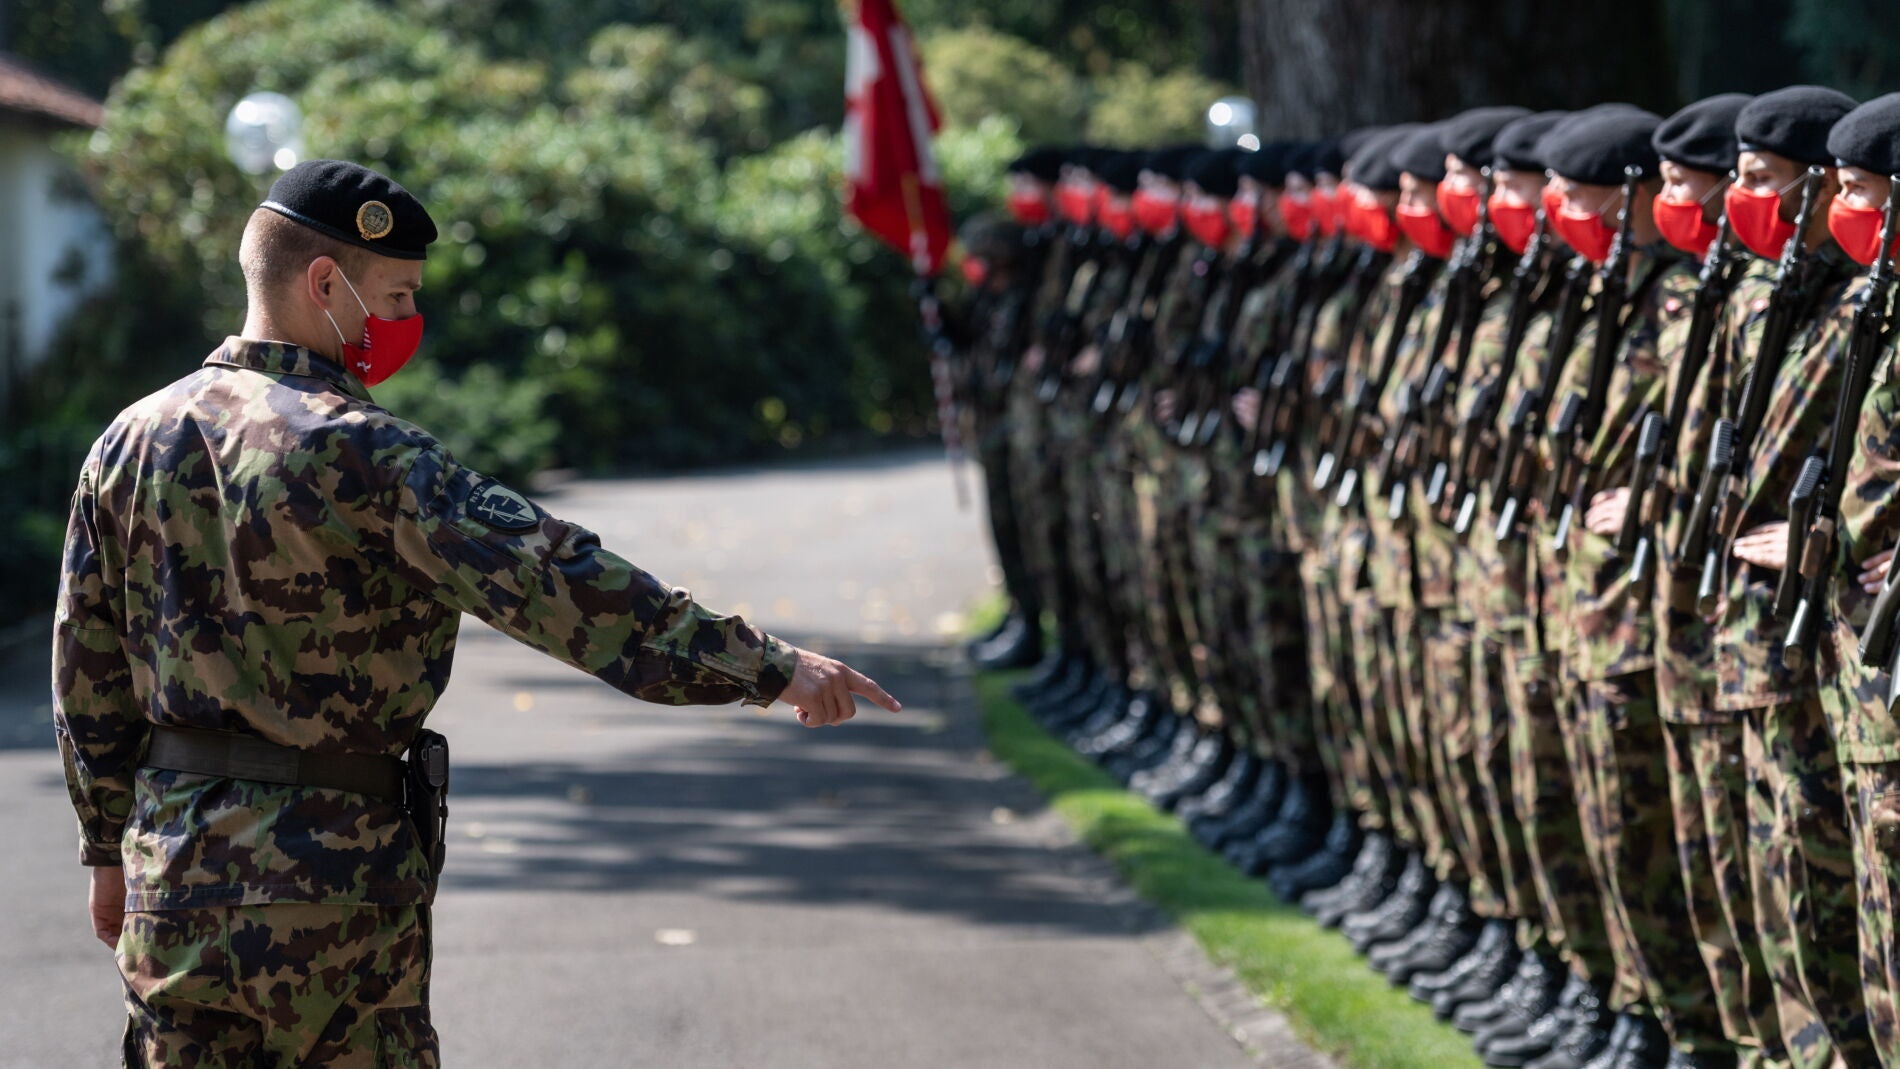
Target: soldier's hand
pixel 106 902
pixel 1765 546
pixel 1874 569
pixel 1247 407
pixel 821 690
pixel 1606 512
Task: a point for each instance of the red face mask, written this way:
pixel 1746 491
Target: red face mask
pixel 1116 215
pixel 1756 220
pixel 1155 212
pixel 387 343
pixel 1459 203
pixel 1028 207
pixel 1374 224
pixel 1206 219
pixel 1074 200
pixel 976 271
pixel 1296 216
pixel 1585 232
pixel 1514 221
pixel 1244 213
pixel 1332 209
pixel 1682 225
pixel 1426 230
pixel 1857 230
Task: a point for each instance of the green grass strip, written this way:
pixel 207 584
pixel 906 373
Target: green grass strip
pixel 1336 1001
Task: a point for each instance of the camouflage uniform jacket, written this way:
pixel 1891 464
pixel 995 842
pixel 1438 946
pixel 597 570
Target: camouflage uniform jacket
pixel 1612 631
pixel 260 549
pixel 1391 562
pixel 1747 637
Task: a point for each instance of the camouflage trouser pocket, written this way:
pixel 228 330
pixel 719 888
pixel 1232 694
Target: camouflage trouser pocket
pixel 405 1039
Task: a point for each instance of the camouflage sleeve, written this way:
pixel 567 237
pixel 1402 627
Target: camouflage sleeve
pixel 486 550
pixel 96 717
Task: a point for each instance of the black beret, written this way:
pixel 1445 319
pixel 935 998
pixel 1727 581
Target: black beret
pixel 1119 171
pixel 1593 147
pixel 1171 162
pixel 1702 135
pixel 1421 153
pixel 1869 136
pixel 1269 164
pixel 1043 162
pixel 1352 141
pixel 354 204
pixel 1372 165
pixel 1215 171
pixel 1329 157
pixel 1515 146
pixel 1469 136
pixel 1793 122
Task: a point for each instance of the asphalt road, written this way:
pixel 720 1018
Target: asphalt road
pixel 711 888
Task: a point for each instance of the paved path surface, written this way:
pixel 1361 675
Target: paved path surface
pixel 712 888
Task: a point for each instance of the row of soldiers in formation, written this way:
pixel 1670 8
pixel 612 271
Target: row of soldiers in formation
pixel 1480 528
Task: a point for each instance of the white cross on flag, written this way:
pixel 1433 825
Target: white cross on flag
pixel 893 186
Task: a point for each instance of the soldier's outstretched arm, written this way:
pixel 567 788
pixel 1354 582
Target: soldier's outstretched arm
pixel 480 547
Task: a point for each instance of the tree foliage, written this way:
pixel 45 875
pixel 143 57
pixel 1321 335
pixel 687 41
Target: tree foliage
pixel 1135 107
pixel 979 73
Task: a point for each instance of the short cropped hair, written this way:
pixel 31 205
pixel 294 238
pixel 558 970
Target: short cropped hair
pixel 276 250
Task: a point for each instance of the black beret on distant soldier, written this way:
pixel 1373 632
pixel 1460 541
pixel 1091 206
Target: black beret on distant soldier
pixel 1214 171
pixel 1269 165
pixel 1515 146
pixel 354 204
pixel 1120 171
pixel 1172 162
pixel 1702 135
pixel 1469 135
pixel 1350 142
pixel 1869 137
pixel 1329 157
pixel 1372 165
pixel 1043 162
pixel 1421 153
pixel 1793 123
pixel 1594 147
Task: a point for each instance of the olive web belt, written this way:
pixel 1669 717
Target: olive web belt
pixel 234 756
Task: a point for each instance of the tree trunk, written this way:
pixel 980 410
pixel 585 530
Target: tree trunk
pixel 1320 67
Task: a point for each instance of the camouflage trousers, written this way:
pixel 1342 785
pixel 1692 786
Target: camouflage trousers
pixel 1633 828
pixel 1452 718
pixel 1215 595
pixel 1801 867
pixel 1546 799
pixel 1381 724
pixel 1169 637
pixel 278 987
pixel 1040 495
pixel 1418 739
pixel 1084 483
pixel 1874 796
pixel 1279 639
pixel 1491 764
pixel 1335 690
pixel 999 496
pixel 1184 488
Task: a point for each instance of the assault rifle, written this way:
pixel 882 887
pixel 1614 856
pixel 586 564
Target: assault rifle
pixel 1128 338
pixel 1873 329
pixel 1511 482
pixel 1349 446
pixel 1789 305
pixel 1285 397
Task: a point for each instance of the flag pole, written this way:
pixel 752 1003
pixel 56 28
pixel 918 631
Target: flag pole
pixel 937 340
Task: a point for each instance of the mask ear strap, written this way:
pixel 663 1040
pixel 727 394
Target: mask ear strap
pixel 1718 187
pixel 333 326
pixel 353 293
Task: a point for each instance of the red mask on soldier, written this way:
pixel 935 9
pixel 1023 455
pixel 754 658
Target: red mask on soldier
pixel 1296 216
pixel 1755 216
pixel 1116 215
pixel 1514 220
pixel 1426 230
pixel 1374 224
pixel 1857 230
pixel 1157 213
pixel 387 343
pixel 1206 219
pixel 1459 203
pixel 1028 207
pixel 1075 200
pixel 1244 213
pixel 1683 225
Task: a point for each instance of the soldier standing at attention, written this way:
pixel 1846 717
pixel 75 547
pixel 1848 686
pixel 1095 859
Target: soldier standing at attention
pixel 263 578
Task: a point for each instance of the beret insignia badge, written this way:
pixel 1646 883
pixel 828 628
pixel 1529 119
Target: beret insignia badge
pixel 374 220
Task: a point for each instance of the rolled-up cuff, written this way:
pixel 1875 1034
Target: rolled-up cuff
pixel 100 855
pixel 775 671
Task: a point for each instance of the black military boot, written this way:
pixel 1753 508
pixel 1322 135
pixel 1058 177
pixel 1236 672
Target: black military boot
pixel 1062 714
pixel 1426 984
pixel 1403 911
pixel 1533 972
pixel 1452 937
pixel 1510 1051
pixel 1054 669
pixel 975 645
pixel 1375 848
pixel 1489 973
pixel 1585 1036
pixel 1017 644
pixel 1324 869
pixel 1169 763
pixel 1203 770
pixel 1297 831
pixel 1250 813
pixel 1386 954
pixel 1067 687
pixel 1644 1045
pixel 1370 884
pixel 1138 710
pixel 1224 795
pixel 1107 713
pixel 1533 999
pixel 1150 749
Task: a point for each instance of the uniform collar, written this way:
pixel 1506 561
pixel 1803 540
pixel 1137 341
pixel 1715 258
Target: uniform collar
pixel 283 358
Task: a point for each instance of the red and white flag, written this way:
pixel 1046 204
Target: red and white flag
pixel 893 186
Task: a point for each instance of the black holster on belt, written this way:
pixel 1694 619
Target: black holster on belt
pixel 425 795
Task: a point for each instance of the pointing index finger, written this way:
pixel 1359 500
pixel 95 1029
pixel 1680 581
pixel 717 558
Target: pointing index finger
pixel 865 685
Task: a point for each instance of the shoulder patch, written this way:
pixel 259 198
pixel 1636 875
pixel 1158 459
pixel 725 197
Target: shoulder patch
pixel 500 508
